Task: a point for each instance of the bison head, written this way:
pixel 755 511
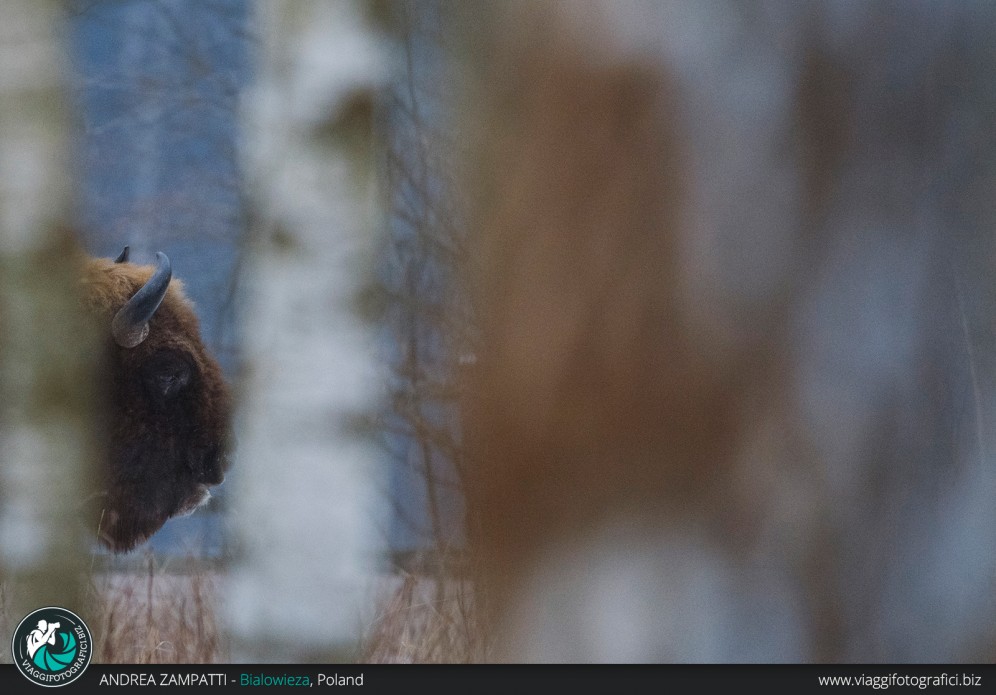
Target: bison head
pixel 167 403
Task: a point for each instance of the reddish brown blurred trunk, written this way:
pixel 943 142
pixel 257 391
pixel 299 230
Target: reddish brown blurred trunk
pixel 723 405
pixel 595 396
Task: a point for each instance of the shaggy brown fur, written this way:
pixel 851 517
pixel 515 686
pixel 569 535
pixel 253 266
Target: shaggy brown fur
pixel 167 409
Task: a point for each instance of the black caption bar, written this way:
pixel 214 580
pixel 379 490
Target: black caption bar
pixel 370 679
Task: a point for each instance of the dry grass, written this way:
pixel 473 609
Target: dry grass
pixel 156 616
pixel 422 620
pixel 170 617
pixel 163 614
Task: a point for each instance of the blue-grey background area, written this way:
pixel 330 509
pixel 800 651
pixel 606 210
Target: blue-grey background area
pixel 426 317
pixel 156 87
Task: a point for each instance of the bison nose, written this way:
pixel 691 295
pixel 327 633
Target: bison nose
pixel 215 464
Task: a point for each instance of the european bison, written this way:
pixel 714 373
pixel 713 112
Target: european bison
pixel 166 400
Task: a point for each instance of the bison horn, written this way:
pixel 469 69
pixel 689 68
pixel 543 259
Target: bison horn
pixel 123 256
pixel 131 324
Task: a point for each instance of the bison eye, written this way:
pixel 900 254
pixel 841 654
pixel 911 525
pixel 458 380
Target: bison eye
pixel 166 375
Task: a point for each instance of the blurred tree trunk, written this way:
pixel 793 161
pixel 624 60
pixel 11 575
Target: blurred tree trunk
pixel 45 360
pixel 734 392
pixel 305 488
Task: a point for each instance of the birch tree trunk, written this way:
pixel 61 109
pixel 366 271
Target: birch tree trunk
pixel 46 393
pixel 306 486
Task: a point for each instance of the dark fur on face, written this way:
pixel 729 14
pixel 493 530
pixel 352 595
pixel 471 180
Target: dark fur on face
pixel 167 410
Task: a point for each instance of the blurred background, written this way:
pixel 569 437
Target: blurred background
pixel 614 331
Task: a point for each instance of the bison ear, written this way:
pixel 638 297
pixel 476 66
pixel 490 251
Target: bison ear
pixel 131 324
pixel 123 256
